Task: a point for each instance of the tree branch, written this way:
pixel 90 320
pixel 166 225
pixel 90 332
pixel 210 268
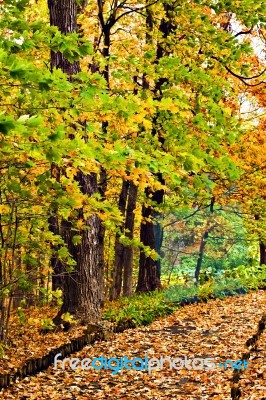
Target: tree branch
pixel 242 78
pixel 244 32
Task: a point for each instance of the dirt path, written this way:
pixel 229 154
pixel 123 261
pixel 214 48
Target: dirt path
pixel 218 329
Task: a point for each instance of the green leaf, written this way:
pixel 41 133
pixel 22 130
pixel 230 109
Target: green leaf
pixel 6 125
pixel 63 252
pixel 76 239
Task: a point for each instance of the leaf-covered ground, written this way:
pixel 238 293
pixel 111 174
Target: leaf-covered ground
pixel 26 340
pixel 218 329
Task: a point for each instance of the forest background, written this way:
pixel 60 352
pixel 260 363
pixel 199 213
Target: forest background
pixel 132 141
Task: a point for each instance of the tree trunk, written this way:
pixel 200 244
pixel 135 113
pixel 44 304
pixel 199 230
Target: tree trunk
pixel 124 254
pixel 202 247
pixel 82 291
pixel 102 185
pixel 150 233
pixel 262 245
pixel 200 257
pixel 149 269
pixel 119 248
pixel 129 231
pixel 262 254
pixel 63 14
pixel 82 287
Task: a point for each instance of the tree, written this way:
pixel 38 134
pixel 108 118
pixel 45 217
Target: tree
pixel 123 261
pixel 82 288
pixel 150 231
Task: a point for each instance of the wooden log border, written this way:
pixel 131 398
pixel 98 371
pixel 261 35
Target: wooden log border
pixel 35 365
pixel 250 343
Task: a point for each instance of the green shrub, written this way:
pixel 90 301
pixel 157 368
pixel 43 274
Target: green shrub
pixel 181 294
pixel 139 309
pixel 253 277
pixel 228 287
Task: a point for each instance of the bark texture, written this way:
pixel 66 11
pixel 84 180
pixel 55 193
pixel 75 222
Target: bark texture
pixel 150 235
pixel 63 14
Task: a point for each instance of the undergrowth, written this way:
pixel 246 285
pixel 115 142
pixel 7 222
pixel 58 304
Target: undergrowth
pixel 142 309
